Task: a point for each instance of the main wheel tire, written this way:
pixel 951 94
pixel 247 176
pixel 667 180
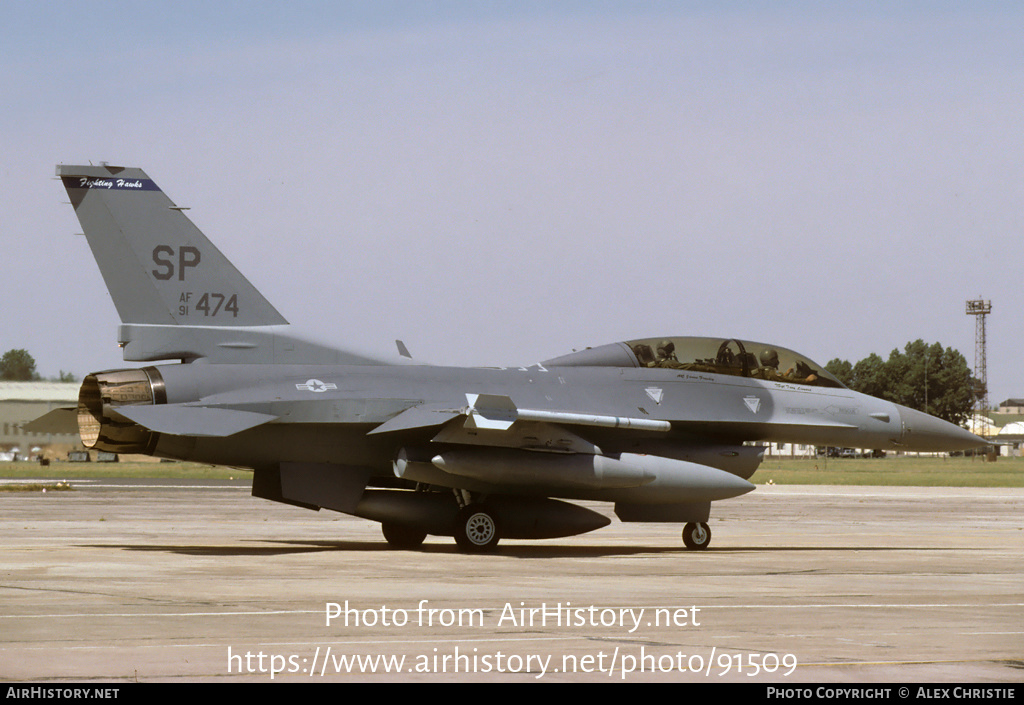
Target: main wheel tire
pixel 403 536
pixel 697 535
pixel 476 529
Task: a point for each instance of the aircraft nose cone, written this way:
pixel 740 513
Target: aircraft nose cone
pixel 926 433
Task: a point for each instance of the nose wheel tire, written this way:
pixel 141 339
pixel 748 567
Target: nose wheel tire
pixel 697 535
pixel 476 529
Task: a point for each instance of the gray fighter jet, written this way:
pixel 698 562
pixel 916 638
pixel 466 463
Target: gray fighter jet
pixel 661 427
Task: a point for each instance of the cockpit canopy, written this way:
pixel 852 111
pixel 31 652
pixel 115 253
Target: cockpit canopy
pixel 740 358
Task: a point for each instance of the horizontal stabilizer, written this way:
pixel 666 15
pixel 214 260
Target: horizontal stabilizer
pixel 59 421
pixel 188 420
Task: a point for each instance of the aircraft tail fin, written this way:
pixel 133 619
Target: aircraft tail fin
pixel 158 266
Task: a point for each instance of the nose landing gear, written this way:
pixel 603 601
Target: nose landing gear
pixel 697 535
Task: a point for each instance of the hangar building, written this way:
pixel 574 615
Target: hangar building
pixel 21 402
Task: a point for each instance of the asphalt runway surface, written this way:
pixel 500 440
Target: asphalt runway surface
pixel 172 581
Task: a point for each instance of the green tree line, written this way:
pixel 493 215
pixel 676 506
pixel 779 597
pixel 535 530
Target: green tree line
pixel 18 366
pixel 925 377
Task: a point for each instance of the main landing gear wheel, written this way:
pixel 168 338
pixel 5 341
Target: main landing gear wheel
pixel 697 535
pixel 476 529
pixel 402 536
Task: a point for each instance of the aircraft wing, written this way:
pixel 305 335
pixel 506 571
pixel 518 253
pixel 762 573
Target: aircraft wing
pixel 497 412
pixel 494 420
pixel 423 416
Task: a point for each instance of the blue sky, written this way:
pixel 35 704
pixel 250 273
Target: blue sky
pixel 498 183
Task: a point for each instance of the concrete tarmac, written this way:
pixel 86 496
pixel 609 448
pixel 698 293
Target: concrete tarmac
pixel 172 581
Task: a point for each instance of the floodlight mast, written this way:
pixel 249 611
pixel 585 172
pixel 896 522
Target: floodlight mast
pixel 980 308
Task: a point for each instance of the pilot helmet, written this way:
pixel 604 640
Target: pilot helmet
pixel 769 357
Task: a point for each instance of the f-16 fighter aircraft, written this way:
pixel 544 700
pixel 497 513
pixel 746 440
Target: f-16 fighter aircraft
pixel 661 427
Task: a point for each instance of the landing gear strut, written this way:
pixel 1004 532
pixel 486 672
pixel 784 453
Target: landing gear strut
pixel 697 535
